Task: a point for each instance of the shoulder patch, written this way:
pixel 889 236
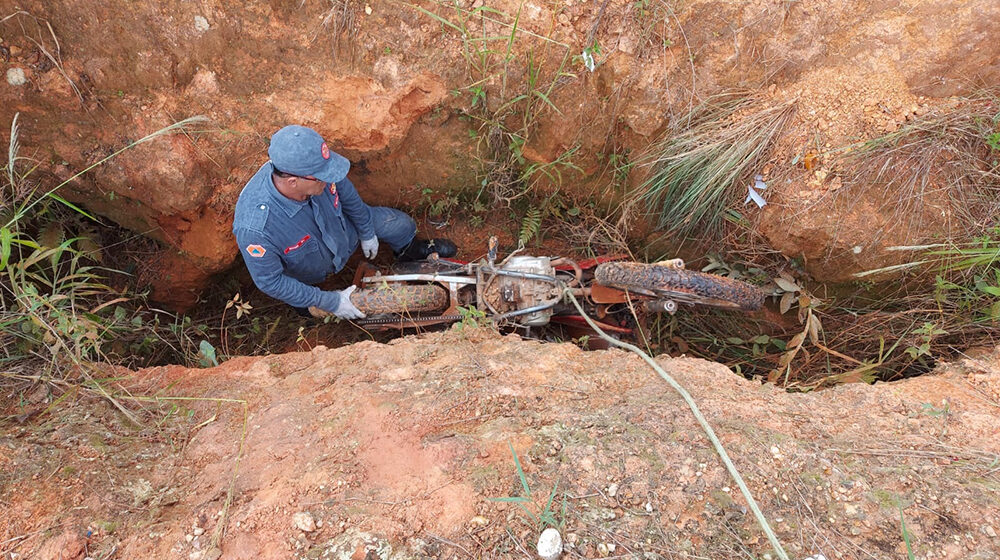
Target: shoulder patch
pixel 256 250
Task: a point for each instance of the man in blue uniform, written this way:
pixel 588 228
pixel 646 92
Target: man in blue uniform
pixel 299 219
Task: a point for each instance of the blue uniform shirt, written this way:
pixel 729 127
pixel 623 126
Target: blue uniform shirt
pixel 289 245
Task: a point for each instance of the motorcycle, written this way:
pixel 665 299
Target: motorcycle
pixel 530 291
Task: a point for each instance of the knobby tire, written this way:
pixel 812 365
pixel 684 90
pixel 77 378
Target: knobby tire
pixel 683 285
pixel 400 298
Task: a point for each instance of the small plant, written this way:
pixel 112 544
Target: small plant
pixel 586 58
pixel 530 225
pixel 546 516
pixel 993 141
pixel 927 333
pixel 700 171
pixel 242 308
pixel 472 318
pixel 59 314
pixel 439 206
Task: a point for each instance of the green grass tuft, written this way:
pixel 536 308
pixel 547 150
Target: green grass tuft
pixel 700 169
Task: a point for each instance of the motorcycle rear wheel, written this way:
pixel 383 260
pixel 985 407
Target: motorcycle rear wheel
pixel 399 298
pixel 687 286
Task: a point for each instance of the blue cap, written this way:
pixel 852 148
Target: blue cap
pixel 301 151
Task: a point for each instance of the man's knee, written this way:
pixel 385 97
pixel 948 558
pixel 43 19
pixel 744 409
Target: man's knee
pixel 395 227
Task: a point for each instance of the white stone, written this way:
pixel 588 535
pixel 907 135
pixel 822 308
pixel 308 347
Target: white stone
pixel 613 489
pixel 550 544
pixel 16 77
pixel 304 522
pixel 990 531
pixel 198 531
pixel 201 24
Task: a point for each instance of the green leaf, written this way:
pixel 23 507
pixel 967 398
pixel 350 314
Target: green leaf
pixel 5 240
pixel 906 536
pixel 992 290
pixel 520 471
pixel 206 354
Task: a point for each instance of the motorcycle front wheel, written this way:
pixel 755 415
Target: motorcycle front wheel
pixel 688 286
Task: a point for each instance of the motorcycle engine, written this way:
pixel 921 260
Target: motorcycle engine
pixel 508 293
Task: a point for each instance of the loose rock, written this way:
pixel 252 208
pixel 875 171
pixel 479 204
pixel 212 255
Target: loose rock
pixel 550 544
pixel 304 522
pixel 16 77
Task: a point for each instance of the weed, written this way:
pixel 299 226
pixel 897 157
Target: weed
pixel 699 172
pixel 438 207
pixel 342 14
pixel 242 308
pixel 530 225
pixel 58 313
pixel 546 516
pixel 513 79
pixel 906 536
pixel 939 169
pixel 472 318
pixel 650 17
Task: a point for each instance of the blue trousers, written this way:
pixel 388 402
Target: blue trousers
pixel 393 227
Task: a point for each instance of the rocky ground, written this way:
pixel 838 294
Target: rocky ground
pixel 402 450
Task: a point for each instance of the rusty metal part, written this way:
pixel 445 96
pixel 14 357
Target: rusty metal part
pixel 577 271
pixel 409 321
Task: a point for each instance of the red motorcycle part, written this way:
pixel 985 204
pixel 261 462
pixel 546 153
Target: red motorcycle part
pixel 578 321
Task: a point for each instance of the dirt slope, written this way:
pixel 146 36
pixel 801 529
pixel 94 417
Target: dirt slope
pixel 391 86
pixel 396 450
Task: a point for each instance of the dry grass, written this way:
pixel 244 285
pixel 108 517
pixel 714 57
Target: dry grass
pixel 700 168
pixel 935 173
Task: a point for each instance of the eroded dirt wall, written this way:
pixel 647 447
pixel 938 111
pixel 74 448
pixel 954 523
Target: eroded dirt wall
pixel 387 83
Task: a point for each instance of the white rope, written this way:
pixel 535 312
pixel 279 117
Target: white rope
pixel 701 420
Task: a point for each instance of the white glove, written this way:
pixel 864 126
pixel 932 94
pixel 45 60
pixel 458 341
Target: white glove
pixel 345 309
pixel 370 247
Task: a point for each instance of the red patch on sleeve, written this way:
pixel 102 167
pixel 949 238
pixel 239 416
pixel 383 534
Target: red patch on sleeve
pixel 324 150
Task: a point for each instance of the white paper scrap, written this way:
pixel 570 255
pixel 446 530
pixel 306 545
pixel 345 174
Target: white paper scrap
pixel 754 195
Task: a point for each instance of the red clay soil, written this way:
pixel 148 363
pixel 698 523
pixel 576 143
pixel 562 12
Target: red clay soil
pixel 392 87
pixel 400 450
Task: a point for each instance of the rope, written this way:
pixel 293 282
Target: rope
pixel 701 420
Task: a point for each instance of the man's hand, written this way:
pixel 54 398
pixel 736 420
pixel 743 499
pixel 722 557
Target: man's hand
pixel 370 247
pixel 345 309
